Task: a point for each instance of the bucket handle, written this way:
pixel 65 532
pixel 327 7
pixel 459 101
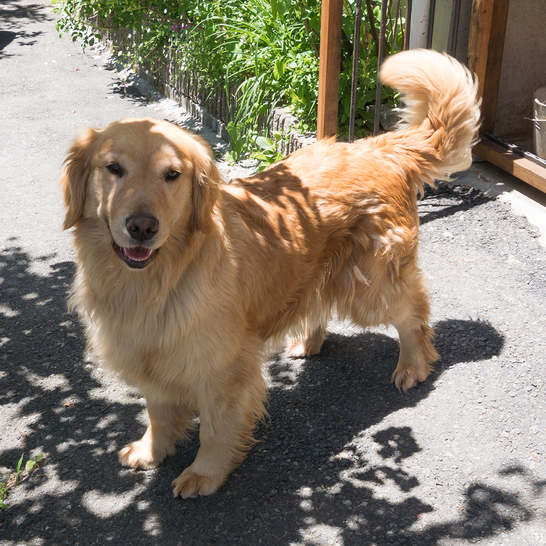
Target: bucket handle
pixel 533 119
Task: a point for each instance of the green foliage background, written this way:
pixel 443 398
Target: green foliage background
pixel 268 50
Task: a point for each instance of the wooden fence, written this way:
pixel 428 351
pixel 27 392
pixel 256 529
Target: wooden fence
pixel 211 109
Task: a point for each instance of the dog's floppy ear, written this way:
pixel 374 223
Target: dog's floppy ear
pixel 206 180
pixel 74 179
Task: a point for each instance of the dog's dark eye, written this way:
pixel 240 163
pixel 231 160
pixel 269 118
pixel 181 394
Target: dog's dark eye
pixel 172 175
pixel 114 168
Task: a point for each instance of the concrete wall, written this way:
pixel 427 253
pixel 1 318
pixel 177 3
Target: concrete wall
pixel 523 68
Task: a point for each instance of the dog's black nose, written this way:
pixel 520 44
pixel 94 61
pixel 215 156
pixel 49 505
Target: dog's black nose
pixel 142 227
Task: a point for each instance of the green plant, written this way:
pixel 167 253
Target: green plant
pixel 3 495
pixel 152 34
pixel 237 144
pixel 264 49
pixel 272 60
pixel 18 476
pixel 261 53
pixel 269 151
pixel 33 464
pixel 368 62
pixel 18 468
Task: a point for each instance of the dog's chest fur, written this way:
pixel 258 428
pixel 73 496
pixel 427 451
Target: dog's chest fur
pixel 173 341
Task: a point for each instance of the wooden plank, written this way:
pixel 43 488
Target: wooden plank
pixel 478 40
pixel 524 169
pixel 485 51
pixel 329 68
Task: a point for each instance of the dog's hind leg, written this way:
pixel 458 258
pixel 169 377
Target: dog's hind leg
pixel 228 412
pixel 416 354
pixel 168 423
pixel 406 307
pixel 416 351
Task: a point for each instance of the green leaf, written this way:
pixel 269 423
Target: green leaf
pixel 18 467
pixel 274 8
pixel 265 143
pixel 231 158
pixel 278 69
pixel 234 130
pixel 259 155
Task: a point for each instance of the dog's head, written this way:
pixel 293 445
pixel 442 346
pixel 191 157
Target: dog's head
pixel 139 181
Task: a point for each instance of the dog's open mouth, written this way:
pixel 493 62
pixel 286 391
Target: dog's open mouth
pixel 137 257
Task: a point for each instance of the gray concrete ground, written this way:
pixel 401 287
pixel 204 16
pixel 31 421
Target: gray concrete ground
pixel 343 458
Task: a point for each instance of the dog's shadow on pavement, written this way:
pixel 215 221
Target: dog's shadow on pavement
pixel 308 476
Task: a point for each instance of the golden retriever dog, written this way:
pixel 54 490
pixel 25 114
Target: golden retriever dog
pixel 182 281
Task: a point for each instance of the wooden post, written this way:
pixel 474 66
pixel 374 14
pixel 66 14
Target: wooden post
pixel 485 51
pixel 329 69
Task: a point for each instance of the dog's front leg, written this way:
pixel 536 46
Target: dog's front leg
pixel 227 421
pixel 168 423
pixel 310 345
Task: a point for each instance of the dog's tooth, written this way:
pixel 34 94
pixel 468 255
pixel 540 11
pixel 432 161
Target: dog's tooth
pixel 138 258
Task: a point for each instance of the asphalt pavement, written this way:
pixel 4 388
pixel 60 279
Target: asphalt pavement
pixel 343 458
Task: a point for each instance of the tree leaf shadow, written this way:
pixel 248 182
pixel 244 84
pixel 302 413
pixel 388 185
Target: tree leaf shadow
pixel 305 477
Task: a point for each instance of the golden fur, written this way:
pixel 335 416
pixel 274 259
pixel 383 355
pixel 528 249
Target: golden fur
pixel 181 280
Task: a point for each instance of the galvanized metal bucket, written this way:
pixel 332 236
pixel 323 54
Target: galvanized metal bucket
pixel 539 122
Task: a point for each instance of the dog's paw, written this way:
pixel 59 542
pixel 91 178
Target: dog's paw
pixel 139 455
pixel 295 349
pixel 189 485
pixel 302 349
pixel 407 377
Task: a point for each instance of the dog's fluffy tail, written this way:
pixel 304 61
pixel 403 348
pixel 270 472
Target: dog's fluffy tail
pixel 439 95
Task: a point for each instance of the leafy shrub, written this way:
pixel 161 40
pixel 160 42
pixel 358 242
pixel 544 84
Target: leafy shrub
pixel 265 50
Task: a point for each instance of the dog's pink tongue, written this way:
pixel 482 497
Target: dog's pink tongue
pixel 138 253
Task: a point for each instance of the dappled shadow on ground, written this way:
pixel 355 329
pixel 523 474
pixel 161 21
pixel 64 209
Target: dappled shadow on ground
pixel 57 407
pixel 128 87
pixel 15 11
pixel 14 15
pixel 307 477
pixel 134 88
pixel 439 202
pixel 6 37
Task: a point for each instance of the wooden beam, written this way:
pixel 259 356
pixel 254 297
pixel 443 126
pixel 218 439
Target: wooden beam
pixel 485 51
pixel 522 168
pixel 329 68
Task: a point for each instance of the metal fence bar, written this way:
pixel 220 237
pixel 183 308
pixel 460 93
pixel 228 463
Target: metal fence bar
pixel 454 28
pixel 408 24
pixel 430 30
pixel 356 52
pixel 384 4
